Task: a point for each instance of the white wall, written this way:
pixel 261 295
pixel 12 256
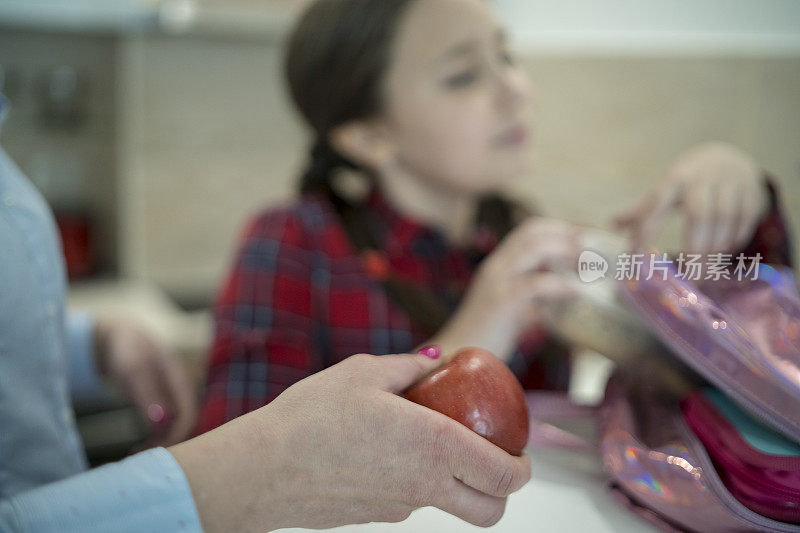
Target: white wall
pixel 655 26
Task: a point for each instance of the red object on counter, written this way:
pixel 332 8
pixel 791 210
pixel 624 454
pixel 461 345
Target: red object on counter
pixel 76 239
pixel 478 390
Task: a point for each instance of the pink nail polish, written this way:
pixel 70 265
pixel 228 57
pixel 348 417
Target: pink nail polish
pixel 433 351
pixel 156 413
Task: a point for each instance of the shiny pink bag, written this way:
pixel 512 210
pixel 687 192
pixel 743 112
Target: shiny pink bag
pixel 743 337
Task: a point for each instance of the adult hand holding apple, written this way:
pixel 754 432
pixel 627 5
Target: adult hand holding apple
pixel 478 390
pixel 342 447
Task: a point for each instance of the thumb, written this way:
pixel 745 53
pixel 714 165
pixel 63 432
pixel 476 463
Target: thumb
pixel 398 372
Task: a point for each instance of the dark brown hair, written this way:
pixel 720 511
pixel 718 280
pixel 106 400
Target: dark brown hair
pixel 336 62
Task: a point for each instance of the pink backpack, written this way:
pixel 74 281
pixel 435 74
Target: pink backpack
pixel 681 462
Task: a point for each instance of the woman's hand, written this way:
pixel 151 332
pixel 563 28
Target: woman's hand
pixel 513 287
pixel 340 447
pixel 720 191
pixel 154 381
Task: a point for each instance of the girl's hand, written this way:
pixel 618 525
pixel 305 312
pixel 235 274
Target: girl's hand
pixel 341 447
pixel 153 380
pixel 720 191
pixel 513 286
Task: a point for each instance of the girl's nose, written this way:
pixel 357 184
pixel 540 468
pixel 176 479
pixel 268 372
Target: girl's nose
pixel 513 91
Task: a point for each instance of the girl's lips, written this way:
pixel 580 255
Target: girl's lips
pixel 514 136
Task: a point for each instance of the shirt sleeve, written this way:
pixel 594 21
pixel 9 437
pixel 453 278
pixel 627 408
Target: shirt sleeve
pixel 771 237
pixel 145 492
pixel 264 320
pixel 84 377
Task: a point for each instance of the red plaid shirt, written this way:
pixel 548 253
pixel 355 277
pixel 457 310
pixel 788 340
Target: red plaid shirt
pixel 300 298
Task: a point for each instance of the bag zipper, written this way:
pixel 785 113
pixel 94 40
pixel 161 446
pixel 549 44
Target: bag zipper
pixel 717 487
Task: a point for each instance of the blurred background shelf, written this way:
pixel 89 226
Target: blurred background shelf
pixel 103 16
pixel 237 19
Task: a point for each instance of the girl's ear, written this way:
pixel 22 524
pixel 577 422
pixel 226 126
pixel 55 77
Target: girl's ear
pixel 365 143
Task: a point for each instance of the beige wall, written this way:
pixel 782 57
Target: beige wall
pixel 208 140
pixel 608 128
pixel 209 137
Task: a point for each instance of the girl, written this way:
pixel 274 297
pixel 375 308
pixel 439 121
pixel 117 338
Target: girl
pixel 423 101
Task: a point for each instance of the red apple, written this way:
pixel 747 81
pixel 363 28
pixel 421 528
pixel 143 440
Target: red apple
pixel 478 390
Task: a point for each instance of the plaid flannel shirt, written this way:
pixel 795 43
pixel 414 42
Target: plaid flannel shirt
pixel 299 299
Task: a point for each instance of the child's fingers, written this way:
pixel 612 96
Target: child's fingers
pixel 700 206
pixel 553 251
pixel 181 391
pixel 748 220
pixel 727 214
pixel 653 213
pixel 545 287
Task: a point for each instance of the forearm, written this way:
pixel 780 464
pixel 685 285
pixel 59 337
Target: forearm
pixel 499 338
pixel 230 493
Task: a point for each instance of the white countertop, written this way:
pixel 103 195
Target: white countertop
pixel 566 494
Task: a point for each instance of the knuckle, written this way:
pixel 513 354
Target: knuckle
pixel 359 360
pixel 353 369
pixel 438 448
pixel 440 435
pixel 419 366
pixel 505 482
pixel 493 515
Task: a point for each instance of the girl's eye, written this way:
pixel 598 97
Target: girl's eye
pixel 462 79
pixel 507 58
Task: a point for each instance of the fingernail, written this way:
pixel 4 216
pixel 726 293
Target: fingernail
pixel 156 413
pixel 433 351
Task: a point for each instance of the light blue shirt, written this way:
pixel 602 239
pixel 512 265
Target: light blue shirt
pixel 46 358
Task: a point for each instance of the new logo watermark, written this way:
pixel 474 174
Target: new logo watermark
pixel 693 267
pixel 591 266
